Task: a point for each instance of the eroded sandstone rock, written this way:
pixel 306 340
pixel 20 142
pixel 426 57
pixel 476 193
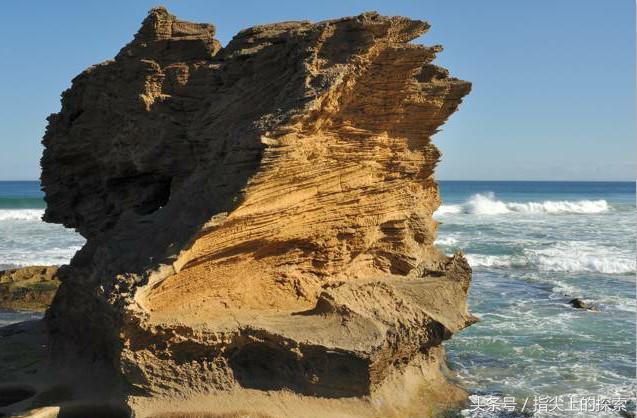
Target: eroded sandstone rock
pixel 259 216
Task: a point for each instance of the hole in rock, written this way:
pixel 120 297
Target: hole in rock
pixel 14 394
pixel 93 411
pixel 264 367
pixel 143 192
pixel 317 372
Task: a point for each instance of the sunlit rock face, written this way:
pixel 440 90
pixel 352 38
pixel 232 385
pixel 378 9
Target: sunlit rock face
pixel 258 217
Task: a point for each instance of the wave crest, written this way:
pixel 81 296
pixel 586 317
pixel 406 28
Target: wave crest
pixel 487 204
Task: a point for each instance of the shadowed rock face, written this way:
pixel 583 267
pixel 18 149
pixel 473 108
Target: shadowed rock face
pixel 257 216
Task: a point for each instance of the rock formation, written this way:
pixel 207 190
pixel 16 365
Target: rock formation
pixel 30 288
pixel 259 217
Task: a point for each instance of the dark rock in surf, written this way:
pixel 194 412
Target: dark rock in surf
pixel 580 304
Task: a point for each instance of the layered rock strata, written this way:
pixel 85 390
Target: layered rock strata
pixel 259 216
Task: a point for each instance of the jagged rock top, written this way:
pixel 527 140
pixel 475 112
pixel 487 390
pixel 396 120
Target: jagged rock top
pixel 164 38
pixel 298 63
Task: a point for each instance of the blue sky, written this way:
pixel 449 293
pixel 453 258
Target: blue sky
pixel 553 81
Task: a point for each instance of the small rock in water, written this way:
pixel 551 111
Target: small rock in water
pixel 580 304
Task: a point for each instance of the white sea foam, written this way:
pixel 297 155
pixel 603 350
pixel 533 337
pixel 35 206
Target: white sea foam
pixel 569 256
pixel 498 261
pixel 37 256
pixel 448 210
pixel 21 214
pixel 26 240
pixel 446 241
pixel 487 204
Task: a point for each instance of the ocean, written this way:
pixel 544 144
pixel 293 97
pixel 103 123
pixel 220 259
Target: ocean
pixel 24 239
pixel 533 246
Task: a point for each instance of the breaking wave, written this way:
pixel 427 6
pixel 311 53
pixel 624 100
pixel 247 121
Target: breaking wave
pixel 21 214
pixel 568 257
pixel 487 204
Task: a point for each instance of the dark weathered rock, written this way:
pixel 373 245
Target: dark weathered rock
pixel 580 304
pixel 258 217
